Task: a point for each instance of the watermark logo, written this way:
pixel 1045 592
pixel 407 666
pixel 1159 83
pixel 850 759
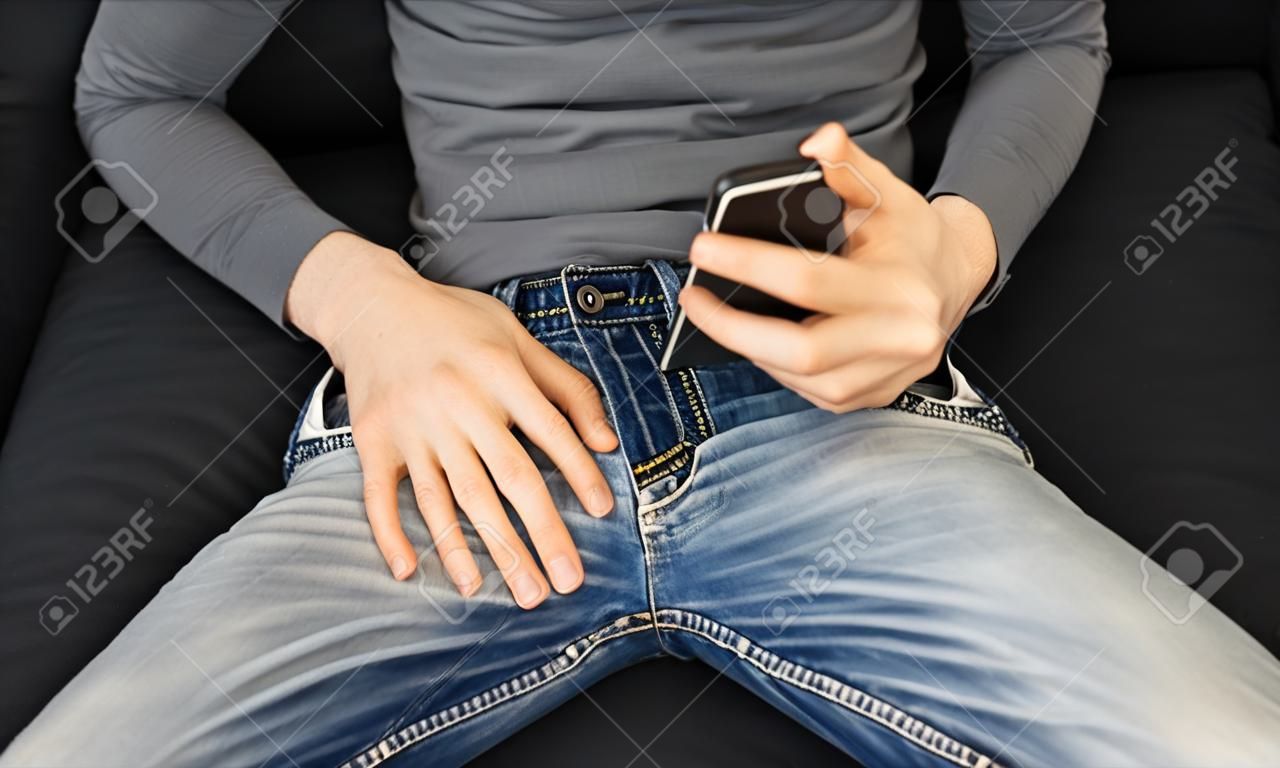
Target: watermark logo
pixel 103 567
pixel 1189 205
pixel 1142 252
pixel 104 218
pixel 419 250
pixel 464 205
pixel 1186 567
pixel 57 613
pixel 808 208
pixel 816 577
pixel 437 587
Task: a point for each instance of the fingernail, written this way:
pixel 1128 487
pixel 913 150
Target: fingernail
pixel 467 585
pixel 526 590
pixel 702 255
pixel 565 576
pixel 599 502
pixel 400 567
pixel 810 145
pixel 466 578
pixel 695 248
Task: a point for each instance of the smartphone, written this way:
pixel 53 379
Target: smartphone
pixel 782 202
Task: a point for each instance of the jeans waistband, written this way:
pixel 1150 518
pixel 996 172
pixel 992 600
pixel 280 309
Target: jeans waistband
pixel 594 295
pixel 612 323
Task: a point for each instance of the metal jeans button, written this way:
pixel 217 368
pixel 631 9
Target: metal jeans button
pixel 591 300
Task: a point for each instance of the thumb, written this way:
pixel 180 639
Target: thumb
pixel 857 177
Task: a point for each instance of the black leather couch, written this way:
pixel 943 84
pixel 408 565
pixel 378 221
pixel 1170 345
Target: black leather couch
pixel 1148 397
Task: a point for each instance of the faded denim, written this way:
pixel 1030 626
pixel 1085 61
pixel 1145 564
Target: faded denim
pixel 899 580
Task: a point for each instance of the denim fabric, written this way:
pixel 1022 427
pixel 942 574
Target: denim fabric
pixel 671 410
pixel 899 580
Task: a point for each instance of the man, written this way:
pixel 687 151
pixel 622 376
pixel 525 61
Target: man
pixel 874 557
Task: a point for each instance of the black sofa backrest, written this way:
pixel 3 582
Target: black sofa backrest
pixel 289 102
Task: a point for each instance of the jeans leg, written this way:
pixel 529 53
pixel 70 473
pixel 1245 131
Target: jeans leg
pixel 912 591
pixel 285 642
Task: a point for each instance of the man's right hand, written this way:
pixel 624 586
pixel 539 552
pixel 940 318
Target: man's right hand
pixel 436 378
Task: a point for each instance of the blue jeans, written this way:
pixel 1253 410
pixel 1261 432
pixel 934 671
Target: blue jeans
pixel 899 580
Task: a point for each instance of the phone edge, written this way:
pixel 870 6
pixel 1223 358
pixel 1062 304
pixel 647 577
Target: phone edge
pixel 764 185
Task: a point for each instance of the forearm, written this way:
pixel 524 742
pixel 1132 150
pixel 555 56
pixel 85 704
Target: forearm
pixel 149 93
pixel 1027 114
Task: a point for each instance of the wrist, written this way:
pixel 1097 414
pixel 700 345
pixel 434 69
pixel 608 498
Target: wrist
pixel 971 229
pixel 336 282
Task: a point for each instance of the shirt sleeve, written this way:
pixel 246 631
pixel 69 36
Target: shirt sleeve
pixel 150 94
pixel 1038 70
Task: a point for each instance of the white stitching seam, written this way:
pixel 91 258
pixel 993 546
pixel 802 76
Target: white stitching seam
pixel 916 731
pixel 631 394
pixel 570 657
pixel 662 380
pixel 644 509
pixel 860 703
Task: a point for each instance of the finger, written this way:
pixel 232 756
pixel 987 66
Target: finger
pixel 770 340
pixel 435 503
pixel 863 384
pixel 572 392
pixel 859 179
pixel 475 495
pixel 543 424
pixel 382 470
pixel 522 485
pixel 821 285
pixel 789 381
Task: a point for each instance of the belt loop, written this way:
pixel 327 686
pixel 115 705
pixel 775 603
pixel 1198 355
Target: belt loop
pixel 670 282
pixel 506 291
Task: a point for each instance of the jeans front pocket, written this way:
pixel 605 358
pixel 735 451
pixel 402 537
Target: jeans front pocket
pixel 966 405
pixel 312 436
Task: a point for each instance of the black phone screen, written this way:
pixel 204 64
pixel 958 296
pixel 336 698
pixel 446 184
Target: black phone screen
pixel 784 203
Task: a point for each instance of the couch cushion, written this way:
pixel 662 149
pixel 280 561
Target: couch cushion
pixel 133 394
pixel 1148 397
pixel 39 152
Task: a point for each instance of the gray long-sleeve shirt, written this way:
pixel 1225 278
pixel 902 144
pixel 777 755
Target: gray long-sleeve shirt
pixel 610 136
